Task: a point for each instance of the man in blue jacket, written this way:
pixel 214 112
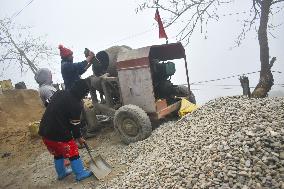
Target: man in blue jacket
pixel 70 71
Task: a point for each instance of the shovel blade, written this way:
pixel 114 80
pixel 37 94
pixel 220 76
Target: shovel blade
pixel 100 167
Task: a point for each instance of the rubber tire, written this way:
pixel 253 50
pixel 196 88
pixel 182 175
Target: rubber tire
pixel 183 91
pixel 139 116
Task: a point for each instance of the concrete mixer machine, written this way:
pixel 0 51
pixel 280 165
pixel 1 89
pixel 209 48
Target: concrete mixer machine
pixel 136 87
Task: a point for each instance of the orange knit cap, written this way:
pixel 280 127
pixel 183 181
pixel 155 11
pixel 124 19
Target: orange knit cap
pixel 64 52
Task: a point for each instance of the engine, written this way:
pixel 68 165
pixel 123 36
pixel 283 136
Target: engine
pixel 161 75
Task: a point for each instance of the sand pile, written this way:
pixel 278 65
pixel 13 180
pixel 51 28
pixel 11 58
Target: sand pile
pixel 17 109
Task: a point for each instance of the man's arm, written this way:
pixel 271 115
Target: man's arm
pixel 79 67
pixel 76 131
pixel 90 59
pixel 75 109
pixel 82 67
pixel 75 128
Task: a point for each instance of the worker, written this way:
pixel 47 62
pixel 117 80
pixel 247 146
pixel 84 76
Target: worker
pixel 46 90
pixel 44 78
pixel 60 128
pixel 70 71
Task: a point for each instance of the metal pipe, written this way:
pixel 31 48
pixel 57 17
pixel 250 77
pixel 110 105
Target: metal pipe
pixel 187 78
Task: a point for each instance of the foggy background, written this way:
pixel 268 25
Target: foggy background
pixel 98 25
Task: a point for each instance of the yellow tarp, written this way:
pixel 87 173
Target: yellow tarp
pixel 186 107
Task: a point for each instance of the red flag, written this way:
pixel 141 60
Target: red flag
pixel 162 33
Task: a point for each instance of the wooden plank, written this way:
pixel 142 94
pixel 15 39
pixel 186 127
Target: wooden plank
pixel 166 111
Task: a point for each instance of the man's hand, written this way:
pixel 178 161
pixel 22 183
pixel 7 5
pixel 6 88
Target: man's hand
pixel 81 141
pixel 90 57
pixel 91 53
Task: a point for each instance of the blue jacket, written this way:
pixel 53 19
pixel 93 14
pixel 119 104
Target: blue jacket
pixel 71 72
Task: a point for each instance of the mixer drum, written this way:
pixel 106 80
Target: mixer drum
pixel 108 57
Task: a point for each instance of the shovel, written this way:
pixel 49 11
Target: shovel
pixel 98 165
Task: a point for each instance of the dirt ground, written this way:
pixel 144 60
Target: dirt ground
pixel 25 162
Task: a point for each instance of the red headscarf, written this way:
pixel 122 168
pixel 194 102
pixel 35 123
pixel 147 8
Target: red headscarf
pixel 64 52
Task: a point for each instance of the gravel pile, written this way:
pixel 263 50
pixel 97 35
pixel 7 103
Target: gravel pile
pixel 231 142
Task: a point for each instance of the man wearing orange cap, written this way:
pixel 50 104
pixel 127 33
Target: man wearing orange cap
pixel 70 71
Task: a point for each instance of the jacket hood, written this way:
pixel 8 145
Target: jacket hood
pixel 43 77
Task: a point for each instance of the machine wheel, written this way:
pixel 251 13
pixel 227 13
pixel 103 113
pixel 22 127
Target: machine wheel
pixel 181 90
pixel 132 123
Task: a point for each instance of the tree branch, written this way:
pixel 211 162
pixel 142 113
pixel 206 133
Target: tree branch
pixel 272 62
pixel 26 49
pixel 278 1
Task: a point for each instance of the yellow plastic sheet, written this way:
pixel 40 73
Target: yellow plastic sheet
pixel 186 107
pixel 33 128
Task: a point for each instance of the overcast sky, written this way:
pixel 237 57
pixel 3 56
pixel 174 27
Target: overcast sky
pixel 101 24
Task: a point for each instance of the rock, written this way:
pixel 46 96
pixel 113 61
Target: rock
pixel 243 173
pixel 250 133
pixel 281 155
pixel 258 186
pixel 6 154
pixel 247 163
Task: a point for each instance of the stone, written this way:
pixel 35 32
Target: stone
pixel 281 155
pixel 247 163
pixel 243 173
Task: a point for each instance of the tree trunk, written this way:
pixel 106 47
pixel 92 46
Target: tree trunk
pixel 266 78
pixel 245 85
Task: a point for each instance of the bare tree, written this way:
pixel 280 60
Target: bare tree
pixel 18 47
pixel 197 13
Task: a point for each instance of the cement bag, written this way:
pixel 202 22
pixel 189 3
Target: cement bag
pixel 186 107
pixel 33 128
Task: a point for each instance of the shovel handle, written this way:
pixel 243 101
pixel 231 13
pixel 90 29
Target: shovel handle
pixel 87 147
pixel 89 152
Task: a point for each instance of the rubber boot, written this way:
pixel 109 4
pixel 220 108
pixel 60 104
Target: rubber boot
pixel 78 169
pixel 61 171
